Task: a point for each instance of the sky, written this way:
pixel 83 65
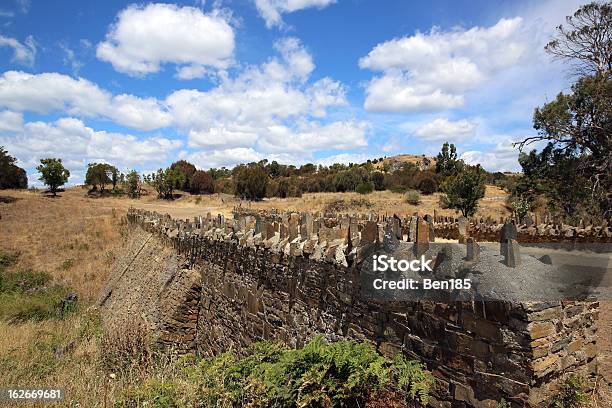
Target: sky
pixel 217 83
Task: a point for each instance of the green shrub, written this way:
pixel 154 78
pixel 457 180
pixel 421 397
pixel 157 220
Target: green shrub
pixel 67 264
pixel 321 374
pixel 40 305
pixel 24 296
pixel 398 189
pixel 153 393
pixel 365 188
pixel 7 260
pixel 22 281
pixel 504 404
pixel 413 197
pixel 571 393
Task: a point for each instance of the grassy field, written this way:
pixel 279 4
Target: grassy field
pixel 72 239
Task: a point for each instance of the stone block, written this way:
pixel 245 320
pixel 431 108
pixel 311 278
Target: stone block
pixel 473 250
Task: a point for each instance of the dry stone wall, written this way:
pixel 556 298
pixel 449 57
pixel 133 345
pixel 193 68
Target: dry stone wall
pixel 289 277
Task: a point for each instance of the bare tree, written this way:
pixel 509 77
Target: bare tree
pixel 586 39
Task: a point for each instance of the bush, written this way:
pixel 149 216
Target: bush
pixel 571 393
pixel 428 185
pixel 413 197
pixel 321 374
pixel 36 306
pixel 24 296
pixel 365 188
pixel 153 393
pixel 22 281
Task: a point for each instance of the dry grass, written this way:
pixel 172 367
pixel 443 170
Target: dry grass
pixel 381 202
pixel 69 237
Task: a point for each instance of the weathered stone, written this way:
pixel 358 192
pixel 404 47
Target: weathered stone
pixel 422 238
pixel 512 253
pixel 369 234
pixel 464 225
pixel 294 222
pixel 430 223
pixel 473 250
pixel 412 228
pixel 306 226
pixel 538 330
pixel 508 231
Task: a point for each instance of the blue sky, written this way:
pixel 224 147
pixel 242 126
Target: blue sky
pixel 140 85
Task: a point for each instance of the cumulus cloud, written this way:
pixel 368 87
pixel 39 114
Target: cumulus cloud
pixel 444 129
pixel 503 157
pixel 271 106
pixel 344 158
pixel 78 145
pixel 272 10
pixel 10 121
pixel 53 92
pixel 145 37
pixel 433 71
pixel 23 53
pixel 224 157
pixel 273 109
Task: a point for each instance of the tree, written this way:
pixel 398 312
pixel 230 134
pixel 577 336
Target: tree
pixel 378 179
pixel 165 181
pixel 201 183
pixel 100 174
pixel 133 184
pixel 586 40
pixel 463 191
pixel 447 163
pixel 11 176
pixel 53 173
pixel 187 169
pixel 250 181
pixel 578 125
pixel 556 175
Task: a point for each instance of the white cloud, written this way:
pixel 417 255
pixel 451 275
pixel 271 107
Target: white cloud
pixel 271 106
pixel 53 92
pixel 272 10
pixel 433 71
pixel 10 121
pixel 442 129
pixel 224 158
pixel 22 53
pixel 313 137
pixel 503 157
pixel 77 145
pixel 191 72
pixel 269 110
pixel 344 158
pixel 145 37
pixel 70 58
